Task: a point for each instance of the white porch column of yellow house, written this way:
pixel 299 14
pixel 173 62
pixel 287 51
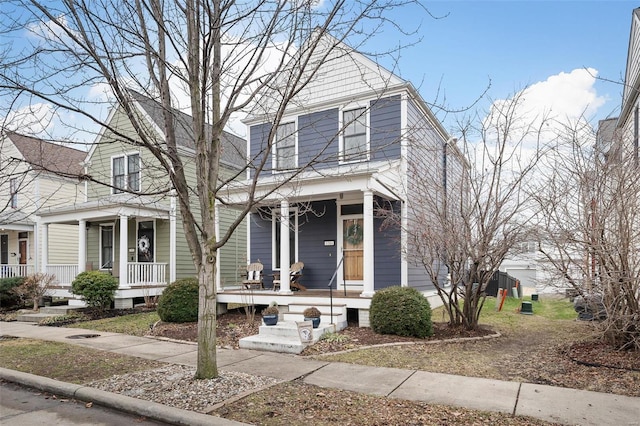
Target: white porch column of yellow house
pixel 44 246
pixel 122 258
pixel 285 284
pixel 217 230
pixel 368 273
pixel 82 245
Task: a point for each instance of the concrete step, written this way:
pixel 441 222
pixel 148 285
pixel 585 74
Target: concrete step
pixel 45 312
pixel 282 337
pixel 337 317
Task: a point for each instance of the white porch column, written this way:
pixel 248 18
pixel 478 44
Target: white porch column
pixel 217 230
pixel 44 246
pixel 172 239
pixel 368 272
pixel 122 259
pixel 82 245
pixel 285 283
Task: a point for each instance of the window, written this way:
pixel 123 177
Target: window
pixel 293 238
pixel 106 247
pixel 285 153
pixel 13 188
pixel 126 173
pixel 354 137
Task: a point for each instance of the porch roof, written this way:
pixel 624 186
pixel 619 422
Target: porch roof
pixel 383 178
pixel 107 208
pixel 15 220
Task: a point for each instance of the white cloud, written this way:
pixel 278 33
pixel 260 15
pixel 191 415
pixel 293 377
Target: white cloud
pixel 36 119
pixel 49 30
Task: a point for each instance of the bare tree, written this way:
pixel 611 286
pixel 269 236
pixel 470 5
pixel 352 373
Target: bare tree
pixel 590 227
pixel 228 56
pixel 471 209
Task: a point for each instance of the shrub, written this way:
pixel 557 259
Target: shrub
pixel 8 298
pixel 272 309
pixel 311 312
pixel 179 301
pixel 402 311
pixel 34 287
pixel 97 288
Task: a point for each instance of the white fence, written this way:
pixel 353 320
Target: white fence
pixel 146 273
pixel 65 274
pixel 7 271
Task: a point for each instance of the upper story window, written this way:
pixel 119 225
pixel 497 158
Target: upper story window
pixel 13 192
pixel 285 147
pixel 354 137
pixel 126 173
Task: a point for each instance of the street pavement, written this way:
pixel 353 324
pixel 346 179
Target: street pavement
pixel 562 405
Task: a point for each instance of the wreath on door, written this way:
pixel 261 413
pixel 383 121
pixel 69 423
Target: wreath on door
pixel 353 234
pixel 143 244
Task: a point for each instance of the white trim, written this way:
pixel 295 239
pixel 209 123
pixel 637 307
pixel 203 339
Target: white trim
pixel 404 219
pixel 275 228
pixel 274 153
pixel 340 237
pixel 126 156
pixel 113 241
pixel 341 126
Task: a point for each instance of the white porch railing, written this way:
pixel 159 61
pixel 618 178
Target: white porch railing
pixel 143 273
pixel 7 271
pixel 65 274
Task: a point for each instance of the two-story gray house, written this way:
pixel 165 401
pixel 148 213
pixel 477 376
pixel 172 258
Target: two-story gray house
pixel 345 149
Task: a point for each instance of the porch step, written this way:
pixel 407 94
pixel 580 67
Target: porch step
pixel 282 337
pixel 339 316
pixel 46 312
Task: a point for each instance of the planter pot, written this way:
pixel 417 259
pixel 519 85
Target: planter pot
pixel 270 319
pixel 315 321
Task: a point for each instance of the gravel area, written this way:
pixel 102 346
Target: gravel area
pixel 175 386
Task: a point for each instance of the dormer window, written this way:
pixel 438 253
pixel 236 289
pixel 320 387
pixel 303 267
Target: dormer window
pixel 285 147
pixel 354 137
pixel 126 173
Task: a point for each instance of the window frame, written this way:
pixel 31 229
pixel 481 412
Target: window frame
pixel 276 148
pixel 127 175
pixel 13 192
pixel 344 126
pixel 275 233
pixel 101 248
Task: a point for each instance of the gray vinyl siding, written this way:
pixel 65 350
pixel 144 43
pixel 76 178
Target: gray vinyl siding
pixel 318 135
pixel 319 260
pixel 387 253
pixel 385 128
pixel 425 165
pixel 316 132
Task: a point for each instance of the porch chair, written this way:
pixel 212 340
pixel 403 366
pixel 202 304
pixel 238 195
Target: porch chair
pixel 295 273
pixel 254 276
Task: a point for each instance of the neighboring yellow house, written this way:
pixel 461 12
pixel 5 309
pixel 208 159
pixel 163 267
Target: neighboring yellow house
pixel 35 174
pixel 135 236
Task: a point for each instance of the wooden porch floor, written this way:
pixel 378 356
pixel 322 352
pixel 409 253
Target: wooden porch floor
pixel 303 294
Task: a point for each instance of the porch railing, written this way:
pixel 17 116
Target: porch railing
pixel 65 274
pixel 143 273
pixel 7 271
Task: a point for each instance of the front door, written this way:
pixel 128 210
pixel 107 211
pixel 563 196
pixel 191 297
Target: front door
pixel 353 249
pixel 22 249
pixel 145 242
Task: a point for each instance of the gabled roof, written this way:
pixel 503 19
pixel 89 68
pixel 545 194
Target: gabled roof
pixel 233 147
pixel 48 156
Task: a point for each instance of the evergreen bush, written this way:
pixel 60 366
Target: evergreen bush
pixel 402 311
pixel 179 301
pixel 8 297
pixel 98 289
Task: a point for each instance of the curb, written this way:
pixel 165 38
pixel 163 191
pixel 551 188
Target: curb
pixel 149 409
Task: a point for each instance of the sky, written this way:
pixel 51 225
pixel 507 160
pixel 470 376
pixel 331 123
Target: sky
pixel 571 54
pixel 508 45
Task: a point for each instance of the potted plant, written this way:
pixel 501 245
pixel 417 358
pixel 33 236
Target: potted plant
pixel 312 314
pixel 270 314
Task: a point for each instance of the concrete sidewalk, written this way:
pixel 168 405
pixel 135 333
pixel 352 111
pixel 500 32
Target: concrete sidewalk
pixel 554 404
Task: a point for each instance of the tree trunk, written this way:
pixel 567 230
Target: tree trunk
pixel 207 366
